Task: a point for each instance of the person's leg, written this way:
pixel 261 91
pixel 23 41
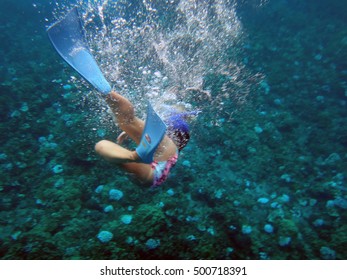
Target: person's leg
pixel 141 172
pixel 115 153
pixel 133 126
pixel 128 160
pixel 125 115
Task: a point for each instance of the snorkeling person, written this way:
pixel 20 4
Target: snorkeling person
pixel 166 155
pixel 156 152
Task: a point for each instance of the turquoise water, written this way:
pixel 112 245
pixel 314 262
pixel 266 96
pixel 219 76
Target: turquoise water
pixel 264 175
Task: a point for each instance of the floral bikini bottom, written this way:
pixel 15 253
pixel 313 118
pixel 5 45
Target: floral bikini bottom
pixel 162 169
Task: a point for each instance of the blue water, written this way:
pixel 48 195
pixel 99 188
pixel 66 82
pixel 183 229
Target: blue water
pixel 264 174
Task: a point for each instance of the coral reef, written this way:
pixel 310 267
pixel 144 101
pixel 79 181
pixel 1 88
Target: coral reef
pixel 263 177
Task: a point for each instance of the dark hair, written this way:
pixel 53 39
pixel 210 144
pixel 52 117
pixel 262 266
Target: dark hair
pixel 179 137
pixel 178 130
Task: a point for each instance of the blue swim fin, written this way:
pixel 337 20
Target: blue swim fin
pixel 68 39
pixel 152 135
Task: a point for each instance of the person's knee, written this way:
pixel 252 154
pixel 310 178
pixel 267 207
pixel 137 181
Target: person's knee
pixel 100 147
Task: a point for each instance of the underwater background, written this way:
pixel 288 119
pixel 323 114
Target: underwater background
pixel 264 174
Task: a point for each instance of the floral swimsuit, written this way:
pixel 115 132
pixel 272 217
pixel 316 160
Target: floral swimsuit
pixel 162 169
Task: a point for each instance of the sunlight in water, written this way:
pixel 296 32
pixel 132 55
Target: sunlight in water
pixel 164 50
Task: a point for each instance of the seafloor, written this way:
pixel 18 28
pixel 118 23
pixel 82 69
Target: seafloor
pixel 267 183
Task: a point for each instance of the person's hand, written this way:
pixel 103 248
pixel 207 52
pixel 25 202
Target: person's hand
pixel 121 137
